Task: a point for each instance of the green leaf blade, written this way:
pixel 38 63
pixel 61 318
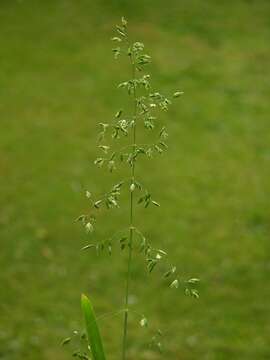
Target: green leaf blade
pixel 94 337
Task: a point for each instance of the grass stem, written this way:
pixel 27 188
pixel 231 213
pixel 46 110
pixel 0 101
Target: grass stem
pixel 131 229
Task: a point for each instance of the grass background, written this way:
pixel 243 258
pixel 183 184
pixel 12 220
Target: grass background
pixel 58 82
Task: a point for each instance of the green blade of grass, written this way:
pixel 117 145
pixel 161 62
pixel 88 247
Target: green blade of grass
pixel 93 333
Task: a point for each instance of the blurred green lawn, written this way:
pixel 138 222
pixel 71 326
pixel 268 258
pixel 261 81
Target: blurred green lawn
pixel 58 82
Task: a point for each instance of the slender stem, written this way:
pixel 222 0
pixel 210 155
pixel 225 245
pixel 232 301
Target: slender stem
pixel 131 227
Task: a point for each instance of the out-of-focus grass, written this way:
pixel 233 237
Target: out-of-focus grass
pixel 57 82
